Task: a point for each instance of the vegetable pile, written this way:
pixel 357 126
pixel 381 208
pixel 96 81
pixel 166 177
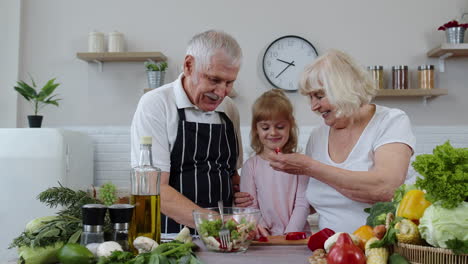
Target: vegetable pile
pixel 435 209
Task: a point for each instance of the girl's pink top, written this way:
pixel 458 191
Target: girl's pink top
pixel 279 196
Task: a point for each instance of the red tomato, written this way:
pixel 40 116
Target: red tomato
pixel 296 235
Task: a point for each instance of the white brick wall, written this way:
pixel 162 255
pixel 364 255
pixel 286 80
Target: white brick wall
pixel 112 147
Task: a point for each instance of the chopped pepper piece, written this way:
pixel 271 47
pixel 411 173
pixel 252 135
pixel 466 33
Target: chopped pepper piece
pixel 317 240
pixel 413 205
pixel 296 236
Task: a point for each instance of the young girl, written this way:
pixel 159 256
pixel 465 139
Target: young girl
pixel 279 196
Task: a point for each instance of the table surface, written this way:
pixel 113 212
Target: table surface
pixel 256 254
pixel 269 254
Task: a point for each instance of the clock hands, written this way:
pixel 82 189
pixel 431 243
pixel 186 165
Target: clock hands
pixel 289 64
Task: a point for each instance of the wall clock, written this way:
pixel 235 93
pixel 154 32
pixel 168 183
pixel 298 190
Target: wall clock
pixel 285 59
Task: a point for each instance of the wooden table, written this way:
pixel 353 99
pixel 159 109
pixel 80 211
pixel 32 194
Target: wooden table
pixel 256 254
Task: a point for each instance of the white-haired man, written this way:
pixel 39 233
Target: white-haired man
pixel 195 130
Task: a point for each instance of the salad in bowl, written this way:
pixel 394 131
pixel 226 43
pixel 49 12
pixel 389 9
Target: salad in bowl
pixel 241 223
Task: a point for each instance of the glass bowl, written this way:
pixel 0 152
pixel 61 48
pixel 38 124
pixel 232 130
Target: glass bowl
pixel 241 222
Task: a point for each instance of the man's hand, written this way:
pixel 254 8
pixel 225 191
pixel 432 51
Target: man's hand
pixel 243 199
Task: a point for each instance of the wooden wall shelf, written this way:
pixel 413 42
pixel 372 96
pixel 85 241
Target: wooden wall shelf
pixel 120 56
pixel 457 50
pixel 447 50
pixel 411 93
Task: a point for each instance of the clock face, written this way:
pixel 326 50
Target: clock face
pixel 285 60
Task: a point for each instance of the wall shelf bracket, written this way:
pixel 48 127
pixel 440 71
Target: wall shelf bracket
pixel 99 63
pixel 442 61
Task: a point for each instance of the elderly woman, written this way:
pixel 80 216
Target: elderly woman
pixel 361 153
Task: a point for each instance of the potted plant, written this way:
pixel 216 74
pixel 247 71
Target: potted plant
pixel 38 99
pixel 454 31
pixel 155 72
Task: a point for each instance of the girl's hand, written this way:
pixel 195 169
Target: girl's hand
pixel 294 163
pixel 243 199
pixel 262 231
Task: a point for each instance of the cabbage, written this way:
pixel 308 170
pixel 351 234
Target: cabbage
pixel 37 223
pixel 439 225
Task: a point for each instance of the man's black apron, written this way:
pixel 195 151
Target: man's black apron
pixel 203 159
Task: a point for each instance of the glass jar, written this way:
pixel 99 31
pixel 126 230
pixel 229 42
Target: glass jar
pixel 400 77
pixel 426 77
pixel 377 75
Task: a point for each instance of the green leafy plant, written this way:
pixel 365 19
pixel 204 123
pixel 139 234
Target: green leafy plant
pixel 155 66
pixel 41 98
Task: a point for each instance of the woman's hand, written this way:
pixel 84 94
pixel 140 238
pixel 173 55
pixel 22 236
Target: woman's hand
pixel 243 199
pixel 294 163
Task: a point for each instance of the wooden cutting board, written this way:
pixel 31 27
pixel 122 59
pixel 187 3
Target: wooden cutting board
pixel 280 240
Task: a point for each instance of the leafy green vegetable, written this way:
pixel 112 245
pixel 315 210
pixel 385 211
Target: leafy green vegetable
pixel 171 252
pixel 107 194
pixel 445 175
pixel 59 229
pixel 71 200
pixel 440 225
pixel 458 246
pixel 378 213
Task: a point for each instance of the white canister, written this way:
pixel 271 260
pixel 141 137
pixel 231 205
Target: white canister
pixel 116 42
pixel 96 41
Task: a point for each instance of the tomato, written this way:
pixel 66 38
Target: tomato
pixel 296 235
pixel 263 239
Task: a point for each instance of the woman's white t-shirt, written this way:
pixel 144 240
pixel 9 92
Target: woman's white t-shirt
pixel 336 211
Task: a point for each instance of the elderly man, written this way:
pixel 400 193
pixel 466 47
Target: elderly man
pixel 195 130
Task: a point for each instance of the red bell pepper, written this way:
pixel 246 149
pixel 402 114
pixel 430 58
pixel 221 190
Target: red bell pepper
pixel 263 239
pixel 345 252
pixel 296 236
pixel 317 240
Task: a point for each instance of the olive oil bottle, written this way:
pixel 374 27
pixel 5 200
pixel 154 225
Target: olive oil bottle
pixel 144 195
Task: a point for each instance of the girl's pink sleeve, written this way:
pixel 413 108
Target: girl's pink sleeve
pixel 247 183
pixel 298 219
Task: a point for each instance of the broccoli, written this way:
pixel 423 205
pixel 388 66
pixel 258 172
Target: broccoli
pixel 378 212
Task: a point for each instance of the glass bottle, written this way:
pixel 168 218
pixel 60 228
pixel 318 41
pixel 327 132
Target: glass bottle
pixel 93 222
pixel 144 195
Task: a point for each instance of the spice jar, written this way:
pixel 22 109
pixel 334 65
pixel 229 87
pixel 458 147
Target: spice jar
pixel 96 41
pixel 377 75
pixel 116 42
pixel 426 76
pixel 400 77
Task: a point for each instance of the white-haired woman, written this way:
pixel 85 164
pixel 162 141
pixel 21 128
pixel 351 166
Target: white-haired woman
pixel 195 130
pixel 361 152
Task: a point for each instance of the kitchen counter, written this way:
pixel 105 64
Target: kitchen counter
pixel 257 254
pixel 293 254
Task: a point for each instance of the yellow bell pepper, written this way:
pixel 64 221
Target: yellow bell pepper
pixel 364 233
pixel 413 205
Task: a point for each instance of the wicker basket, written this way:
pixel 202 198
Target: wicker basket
pixel 429 255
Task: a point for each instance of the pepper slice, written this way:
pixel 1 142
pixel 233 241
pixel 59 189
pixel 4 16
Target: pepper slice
pixel 317 240
pixel 296 236
pixel 263 239
pixel 277 150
